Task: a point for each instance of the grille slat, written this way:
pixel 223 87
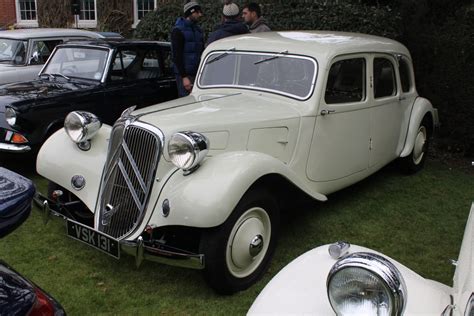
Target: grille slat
pixel 129 178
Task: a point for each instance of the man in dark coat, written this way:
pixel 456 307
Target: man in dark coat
pixel 252 15
pixel 231 24
pixel 187 44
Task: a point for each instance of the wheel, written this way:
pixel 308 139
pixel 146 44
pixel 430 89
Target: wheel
pixel 76 210
pixel 238 252
pixel 416 160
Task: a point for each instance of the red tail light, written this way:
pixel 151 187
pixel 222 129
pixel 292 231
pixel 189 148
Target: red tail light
pixel 43 306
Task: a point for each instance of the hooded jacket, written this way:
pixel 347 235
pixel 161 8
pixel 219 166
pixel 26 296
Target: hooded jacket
pixel 260 25
pixel 228 28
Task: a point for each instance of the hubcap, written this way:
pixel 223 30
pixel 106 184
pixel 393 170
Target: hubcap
pixel 256 245
pixel 248 242
pixel 420 145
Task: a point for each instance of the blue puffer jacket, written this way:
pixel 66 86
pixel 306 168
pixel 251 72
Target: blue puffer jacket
pixel 228 28
pixel 193 44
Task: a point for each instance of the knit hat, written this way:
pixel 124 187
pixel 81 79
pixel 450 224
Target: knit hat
pixel 191 7
pixel 230 10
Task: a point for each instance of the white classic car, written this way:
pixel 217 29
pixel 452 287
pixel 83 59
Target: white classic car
pixel 199 181
pixel 343 279
pixel 24 52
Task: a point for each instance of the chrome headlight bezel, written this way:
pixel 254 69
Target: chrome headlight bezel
pixel 192 144
pixel 81 126
pixel 380 268
pixel 10 116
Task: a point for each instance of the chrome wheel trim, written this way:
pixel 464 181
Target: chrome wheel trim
pixel 419 147
pixel 248 242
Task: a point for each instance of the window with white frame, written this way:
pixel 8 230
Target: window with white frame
pixel 26 13
pixel 141 8
pixel 88 13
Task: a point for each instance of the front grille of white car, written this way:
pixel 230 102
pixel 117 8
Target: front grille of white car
pixel 134 153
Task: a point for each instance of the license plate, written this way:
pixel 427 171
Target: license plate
pixel 93 238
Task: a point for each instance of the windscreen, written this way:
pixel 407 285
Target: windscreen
pixel 285 74
pixel 12 51
pixel 78 62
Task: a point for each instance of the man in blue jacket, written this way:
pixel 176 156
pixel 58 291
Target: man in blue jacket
pixel 187 44
pixel 230 26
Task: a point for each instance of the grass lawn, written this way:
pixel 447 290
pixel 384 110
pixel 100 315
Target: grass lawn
pixel 418 220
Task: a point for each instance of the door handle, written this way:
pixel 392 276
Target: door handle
pixel 326 112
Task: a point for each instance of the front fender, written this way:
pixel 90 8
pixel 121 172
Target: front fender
pixel 59 159
pixel 300 288
pixel 206 197
pixel 421 108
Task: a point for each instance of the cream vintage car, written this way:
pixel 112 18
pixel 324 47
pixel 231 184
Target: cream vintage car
pixel 343 279
pixel 199 181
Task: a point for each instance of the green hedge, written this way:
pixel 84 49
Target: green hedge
pixel 283 15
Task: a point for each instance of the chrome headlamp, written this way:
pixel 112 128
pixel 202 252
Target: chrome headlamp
pixel 366 284
pixel 81 126
pixel 10 116
pixel 187 150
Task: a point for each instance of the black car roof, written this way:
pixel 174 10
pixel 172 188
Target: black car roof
pixel 113 43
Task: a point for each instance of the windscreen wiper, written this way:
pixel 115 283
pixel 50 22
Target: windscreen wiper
pixel 53 75
pixel 220 56
pixel 272 57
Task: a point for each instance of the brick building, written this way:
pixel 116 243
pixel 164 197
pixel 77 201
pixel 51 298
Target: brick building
pixel 25 13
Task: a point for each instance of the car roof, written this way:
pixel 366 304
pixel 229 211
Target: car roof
pixel 319 44
pixel 23 34
pixel 113 43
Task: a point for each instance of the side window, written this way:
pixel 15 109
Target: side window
pixel 346 81
pixel 124 65
pixel 404 69
pixel 384 78
pixel 166 60
pixel 44 48
pixel 151 66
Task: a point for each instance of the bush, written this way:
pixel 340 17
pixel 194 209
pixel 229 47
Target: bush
pixel 283 15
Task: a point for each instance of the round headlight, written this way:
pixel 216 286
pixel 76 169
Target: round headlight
pixel 366 284
pixel 187 149
pixel 81 126
pixel 10 116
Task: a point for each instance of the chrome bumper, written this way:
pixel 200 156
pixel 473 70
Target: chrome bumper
pixel 136 248
pixel 14 148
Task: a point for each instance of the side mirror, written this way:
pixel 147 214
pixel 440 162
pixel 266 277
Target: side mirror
pixel 35 57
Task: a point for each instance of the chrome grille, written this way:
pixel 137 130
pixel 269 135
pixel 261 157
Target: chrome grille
pixel 134 152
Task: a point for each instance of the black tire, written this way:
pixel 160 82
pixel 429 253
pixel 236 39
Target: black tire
pixel 415 161
pixel 77 211
pixel 229 268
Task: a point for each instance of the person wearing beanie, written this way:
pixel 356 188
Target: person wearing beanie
pixel 252 15
pixel 187 44
pixel 230 25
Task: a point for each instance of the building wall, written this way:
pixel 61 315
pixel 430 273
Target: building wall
pixel 7 13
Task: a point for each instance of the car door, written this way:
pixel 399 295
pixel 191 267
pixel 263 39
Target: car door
pixel 387 114
pixel 340 142
pixel 122 89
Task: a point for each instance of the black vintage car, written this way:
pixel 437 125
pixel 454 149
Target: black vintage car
pixel 19 296
pixel 101 76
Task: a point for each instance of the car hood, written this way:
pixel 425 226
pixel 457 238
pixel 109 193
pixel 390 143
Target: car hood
pixel 219 112
pixel 231 121
pixel 8 67
pixel 24 92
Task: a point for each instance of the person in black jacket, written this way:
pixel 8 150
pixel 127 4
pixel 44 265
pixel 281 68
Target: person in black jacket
pixel 187 44
pixel 231 24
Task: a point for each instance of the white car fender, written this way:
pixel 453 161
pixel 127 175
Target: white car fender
pixel 421 107
pixel 59 159
pixel 206 197
pixel 300 288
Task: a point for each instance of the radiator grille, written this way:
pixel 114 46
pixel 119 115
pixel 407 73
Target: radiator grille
pixel 132 160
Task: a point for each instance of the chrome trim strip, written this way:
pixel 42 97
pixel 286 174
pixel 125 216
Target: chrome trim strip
pixel 126 177
pixel 14 148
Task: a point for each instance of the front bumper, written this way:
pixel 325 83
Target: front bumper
pixel 14 148
pixel 137 248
